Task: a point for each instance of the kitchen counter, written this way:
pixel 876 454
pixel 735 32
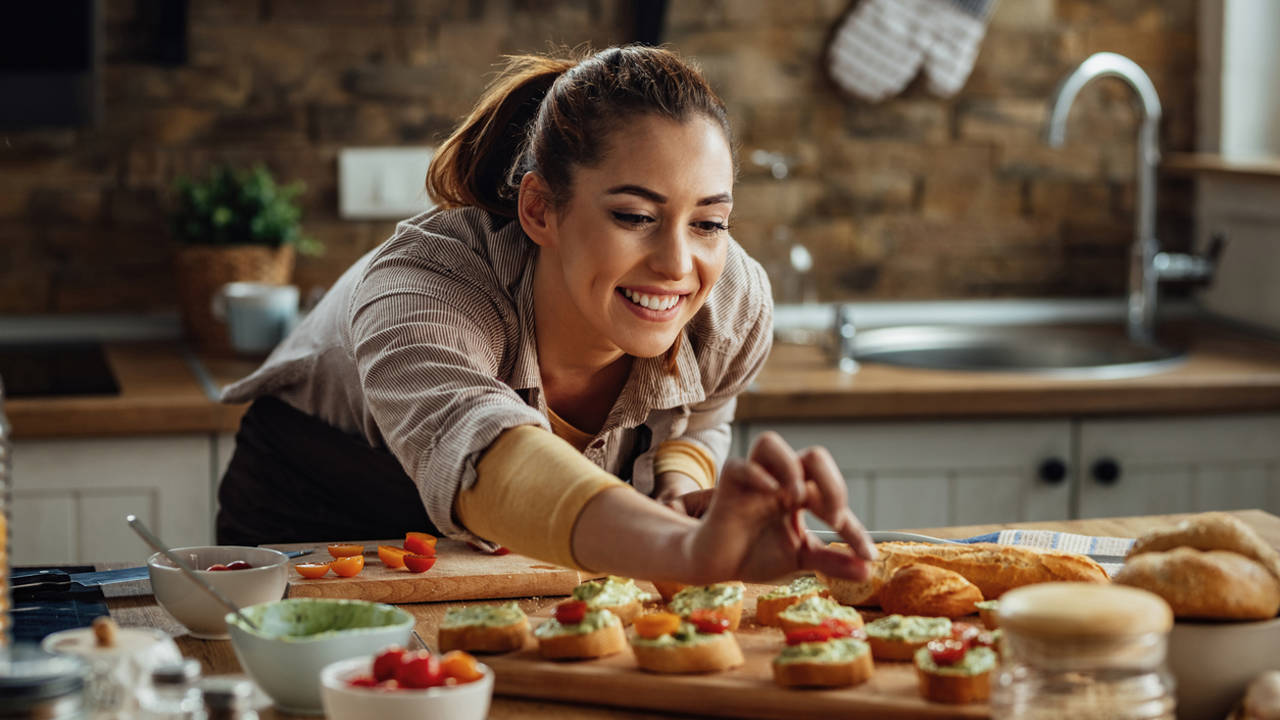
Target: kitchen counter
pixel 167 389
pixel 217 657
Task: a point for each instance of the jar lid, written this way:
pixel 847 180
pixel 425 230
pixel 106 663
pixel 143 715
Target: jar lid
pixel 29 676
pixel 1076 609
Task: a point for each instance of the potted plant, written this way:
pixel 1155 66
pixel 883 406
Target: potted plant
pixel 234 225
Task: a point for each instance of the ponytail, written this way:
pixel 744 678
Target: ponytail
pixel 473 166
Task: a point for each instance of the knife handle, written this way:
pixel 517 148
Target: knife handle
pixel 24 582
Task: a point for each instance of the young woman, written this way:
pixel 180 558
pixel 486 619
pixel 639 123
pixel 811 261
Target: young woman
pixel 570 326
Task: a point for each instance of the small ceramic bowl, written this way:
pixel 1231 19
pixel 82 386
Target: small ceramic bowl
pixel 296 638
pixel 1213 663
pixel 469 701
pixel 198 611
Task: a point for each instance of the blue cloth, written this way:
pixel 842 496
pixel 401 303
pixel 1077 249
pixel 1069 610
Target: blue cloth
pixel 45 613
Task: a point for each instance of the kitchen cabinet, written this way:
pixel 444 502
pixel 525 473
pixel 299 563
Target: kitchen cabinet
pixel 928 474
pixel 70 497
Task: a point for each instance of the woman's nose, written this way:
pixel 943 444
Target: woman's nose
pixel 672 257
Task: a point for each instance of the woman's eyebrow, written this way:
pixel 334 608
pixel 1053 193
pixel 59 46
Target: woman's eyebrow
pixel 659 198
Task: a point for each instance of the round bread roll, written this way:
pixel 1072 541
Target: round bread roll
pixel 1212 531
pixel 928 590
pixel 1210 585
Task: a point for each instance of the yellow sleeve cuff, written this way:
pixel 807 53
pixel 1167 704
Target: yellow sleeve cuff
pixel 685 457
pixel 530 488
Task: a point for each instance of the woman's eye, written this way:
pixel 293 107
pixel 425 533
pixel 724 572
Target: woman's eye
pixel 632 218
pixel 711 226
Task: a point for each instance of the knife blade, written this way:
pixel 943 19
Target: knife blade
pixel 880 536
pixel 27 582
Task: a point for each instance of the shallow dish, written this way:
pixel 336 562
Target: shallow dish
pixel 199 612
pixel 1213 663
pixel 469 701
pixel 299 637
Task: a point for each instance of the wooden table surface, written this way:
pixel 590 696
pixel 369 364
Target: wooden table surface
pixel 217 657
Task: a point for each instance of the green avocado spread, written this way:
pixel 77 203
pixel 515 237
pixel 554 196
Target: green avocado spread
pixel 813 610
pixel 592 621
pixel 610 592
pixel 302 619
pixel 987 604
pixel 709 597
pixel 839 650
pixel 483 615
pixel 975 662
pixel 803 585
pixel 909 628
pixel 686 634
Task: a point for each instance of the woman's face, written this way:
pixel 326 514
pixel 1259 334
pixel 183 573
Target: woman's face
pixel 644 236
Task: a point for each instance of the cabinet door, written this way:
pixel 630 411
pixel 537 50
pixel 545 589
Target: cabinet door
pixel 1174 465
pixel 70 497
pixel 933 474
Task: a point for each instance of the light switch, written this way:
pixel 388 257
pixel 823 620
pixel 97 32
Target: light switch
pixel 376 183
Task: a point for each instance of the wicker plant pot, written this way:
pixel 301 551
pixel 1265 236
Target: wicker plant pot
pixel 202 269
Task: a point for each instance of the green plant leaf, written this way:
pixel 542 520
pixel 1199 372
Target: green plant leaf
pixel 232 206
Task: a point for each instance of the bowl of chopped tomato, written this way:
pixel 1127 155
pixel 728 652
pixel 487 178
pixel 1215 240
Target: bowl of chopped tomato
pixel 399 684
pixel 245 575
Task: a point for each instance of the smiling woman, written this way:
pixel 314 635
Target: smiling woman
pixel 571 320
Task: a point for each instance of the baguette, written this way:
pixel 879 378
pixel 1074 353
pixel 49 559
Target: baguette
pixel 567 642
pixel 919 589
pixel 484 629
pixel 805 672
pixel 708 653
pixel 1211 584
pixel 1212 531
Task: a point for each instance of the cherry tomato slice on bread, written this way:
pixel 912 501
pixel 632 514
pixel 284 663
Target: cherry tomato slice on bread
pixel 311 571
pixel 420 543
pixel 839 628
pixel 947 651
pixel 709 621
pixel 656 624
pixel 807 635
pixel 419 563
pixel 349 566
pixel 392 556
pixel 965 632
pixel 341 550
pixel 571 612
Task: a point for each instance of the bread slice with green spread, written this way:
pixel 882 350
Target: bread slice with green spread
pixel 484 628
pixel 618 595
pixel 724 598
pixel 987 613
pixel 687 650
pixel 897 637
pixel 838 662
pixel 812 611
pixel 598 633
pixel 780 598
pixel 964 678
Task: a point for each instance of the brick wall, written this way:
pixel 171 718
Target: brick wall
pixel 916 197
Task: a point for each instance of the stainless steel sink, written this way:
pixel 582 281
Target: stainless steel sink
pixel 1046 350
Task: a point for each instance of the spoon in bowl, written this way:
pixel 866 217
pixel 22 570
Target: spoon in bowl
pixel 163 549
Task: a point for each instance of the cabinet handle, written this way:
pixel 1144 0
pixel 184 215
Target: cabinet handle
pixel 1106 471
pixel 1053 471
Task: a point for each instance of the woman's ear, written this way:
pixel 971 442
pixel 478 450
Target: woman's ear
pixel 535 209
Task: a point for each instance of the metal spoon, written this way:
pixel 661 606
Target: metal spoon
pixel 159 546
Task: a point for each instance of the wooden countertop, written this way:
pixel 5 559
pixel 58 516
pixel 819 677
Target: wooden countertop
pixel 218 658
pixel 163 391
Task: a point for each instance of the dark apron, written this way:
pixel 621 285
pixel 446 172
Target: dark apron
pixel 295 478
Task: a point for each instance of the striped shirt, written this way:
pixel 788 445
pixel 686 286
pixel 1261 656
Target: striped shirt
pixel 426 346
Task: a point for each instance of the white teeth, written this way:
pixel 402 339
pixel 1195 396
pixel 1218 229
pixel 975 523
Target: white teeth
pixel 652 302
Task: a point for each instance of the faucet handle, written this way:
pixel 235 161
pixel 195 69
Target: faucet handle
pixel 1185 267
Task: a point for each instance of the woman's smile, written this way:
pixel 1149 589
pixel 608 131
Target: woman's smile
pixel 652 306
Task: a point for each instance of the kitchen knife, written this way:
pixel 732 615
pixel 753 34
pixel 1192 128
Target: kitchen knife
pixel 880 536
pixel 28 582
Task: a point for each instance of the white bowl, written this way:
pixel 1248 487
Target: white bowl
pixel 198 611
pixel 469 701
pixel 1213 662
pixel 300 636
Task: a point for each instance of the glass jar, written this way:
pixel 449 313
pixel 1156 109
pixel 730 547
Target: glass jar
pixel 173 693
pixel 227 698
pixel 1083 651
pixel 35 685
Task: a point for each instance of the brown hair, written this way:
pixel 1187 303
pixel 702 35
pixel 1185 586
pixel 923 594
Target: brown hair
pixel 549 115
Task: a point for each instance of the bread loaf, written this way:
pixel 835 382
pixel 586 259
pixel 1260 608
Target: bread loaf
pixel 1205 584
pixel 919 589
pixel 1212 531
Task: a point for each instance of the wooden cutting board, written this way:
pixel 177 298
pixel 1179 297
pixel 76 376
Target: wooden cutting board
pixel 460 573
pixel 746 692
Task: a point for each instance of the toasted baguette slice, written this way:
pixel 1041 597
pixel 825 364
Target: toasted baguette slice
pixel 626 613
pixel 942 687
pixel 920 589
pixel 715 653
pixel 680 603
pixel 815 674
pixel 987 613
pixel 810 613
pixel 862 593
pixel 484 638
pixel 898 648
pixel 885 649
pixel 770 604
pixel 607 640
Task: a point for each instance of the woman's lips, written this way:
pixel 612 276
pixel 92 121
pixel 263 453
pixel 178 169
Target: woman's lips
pixel 650 313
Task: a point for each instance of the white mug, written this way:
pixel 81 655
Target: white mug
pixel 258 315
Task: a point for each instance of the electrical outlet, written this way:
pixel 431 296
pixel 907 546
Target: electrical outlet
pixel 378 183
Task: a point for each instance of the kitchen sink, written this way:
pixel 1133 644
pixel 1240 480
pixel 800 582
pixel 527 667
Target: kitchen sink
pixel 1065 351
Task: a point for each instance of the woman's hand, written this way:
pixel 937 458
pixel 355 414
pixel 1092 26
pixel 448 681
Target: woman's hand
pixel 754 530
pixel 681 493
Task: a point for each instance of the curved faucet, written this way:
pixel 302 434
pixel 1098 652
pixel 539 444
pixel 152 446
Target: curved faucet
pixel 1143 275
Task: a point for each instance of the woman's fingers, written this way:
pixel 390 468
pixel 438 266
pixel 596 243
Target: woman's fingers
pixel 773 453
pixel 695 504
pixel 828 500
pixel 832 561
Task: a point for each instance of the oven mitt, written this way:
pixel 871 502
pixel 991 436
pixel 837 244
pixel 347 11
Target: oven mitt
pixel 882 44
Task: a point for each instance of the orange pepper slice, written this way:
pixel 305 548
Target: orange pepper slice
pixel 311 571
pixel 656 624
pixel 420 543
pixel 349 566
pixel 392 556
pixel 341 550
pixel 460 666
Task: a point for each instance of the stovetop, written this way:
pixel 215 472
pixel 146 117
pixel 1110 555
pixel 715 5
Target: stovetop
pixel 43 369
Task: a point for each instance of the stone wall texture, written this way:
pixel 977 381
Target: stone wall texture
pixel 915 197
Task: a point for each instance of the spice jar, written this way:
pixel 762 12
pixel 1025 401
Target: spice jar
pixel 36 685
pixel 1083 651
pixel 119 660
